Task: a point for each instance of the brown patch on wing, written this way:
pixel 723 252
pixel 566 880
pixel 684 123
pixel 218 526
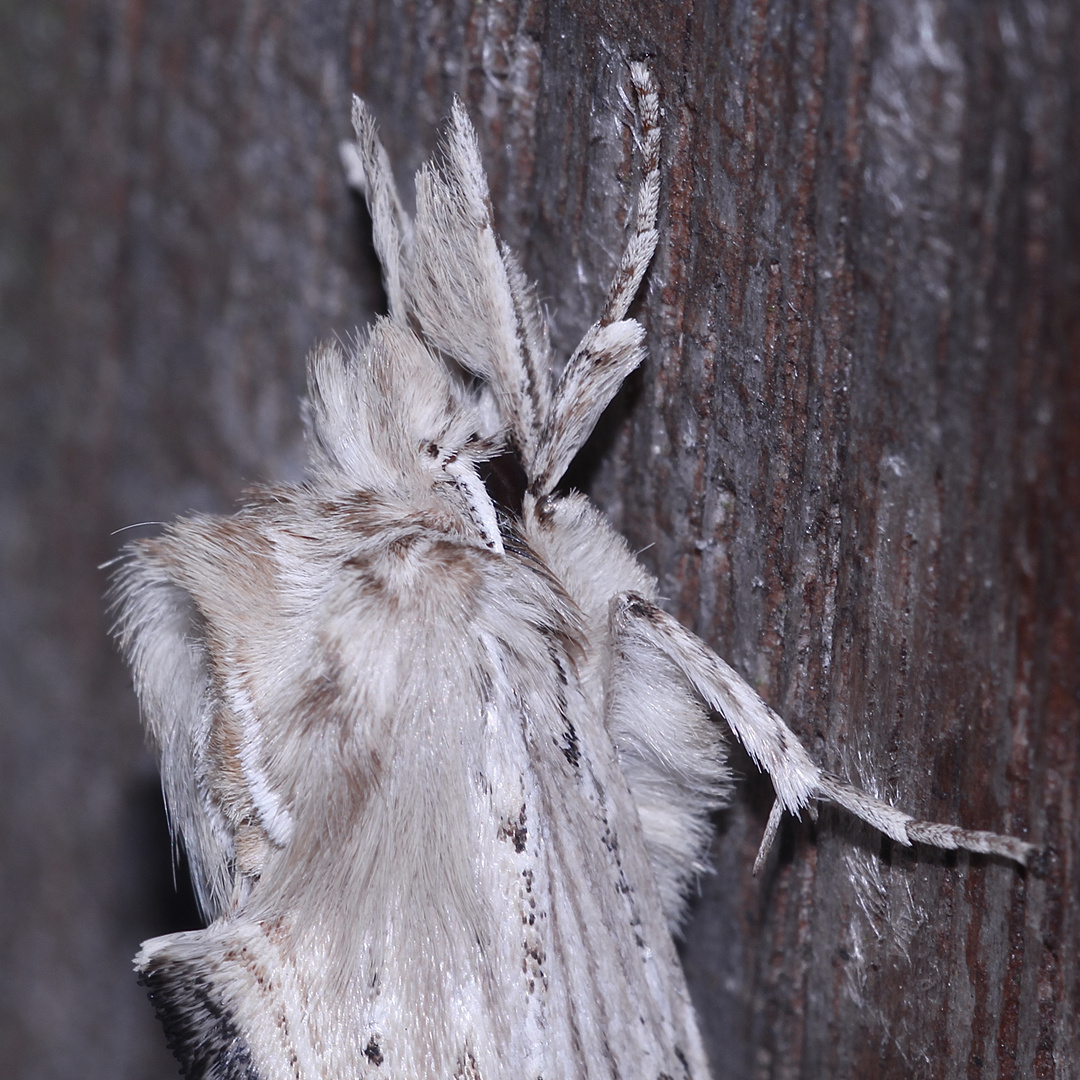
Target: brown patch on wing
pixel 224 771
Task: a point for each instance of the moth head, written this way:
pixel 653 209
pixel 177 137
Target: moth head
pixel 392 415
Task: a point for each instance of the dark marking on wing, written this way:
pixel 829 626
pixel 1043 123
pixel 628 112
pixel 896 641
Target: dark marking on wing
pixel 682 1061
pixel 373 1052
pixel 529 918
pixel 467 1068
pixel 521 833
pixel 198 1027
pixel 516 831
pixel 569 746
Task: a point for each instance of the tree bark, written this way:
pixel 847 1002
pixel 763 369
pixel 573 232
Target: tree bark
pixel 852 457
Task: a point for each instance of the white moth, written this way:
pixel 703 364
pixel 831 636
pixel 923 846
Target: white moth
pixel 442 767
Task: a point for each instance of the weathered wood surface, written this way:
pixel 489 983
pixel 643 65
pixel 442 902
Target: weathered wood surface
pixel 855 449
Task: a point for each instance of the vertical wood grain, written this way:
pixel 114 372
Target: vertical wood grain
pixel 852 458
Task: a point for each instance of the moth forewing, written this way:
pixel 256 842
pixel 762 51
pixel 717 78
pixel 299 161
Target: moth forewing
pixel 443 767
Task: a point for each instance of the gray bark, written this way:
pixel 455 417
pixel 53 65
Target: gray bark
pixel 854 450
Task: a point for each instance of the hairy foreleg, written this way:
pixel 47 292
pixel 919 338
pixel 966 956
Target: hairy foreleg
pixel 641 628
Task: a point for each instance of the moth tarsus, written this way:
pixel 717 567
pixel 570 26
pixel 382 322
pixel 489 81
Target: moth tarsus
pixel 442 766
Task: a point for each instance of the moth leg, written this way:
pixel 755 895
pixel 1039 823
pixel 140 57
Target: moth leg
pixel 637 624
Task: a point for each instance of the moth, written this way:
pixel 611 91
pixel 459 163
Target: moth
pixel 442 766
